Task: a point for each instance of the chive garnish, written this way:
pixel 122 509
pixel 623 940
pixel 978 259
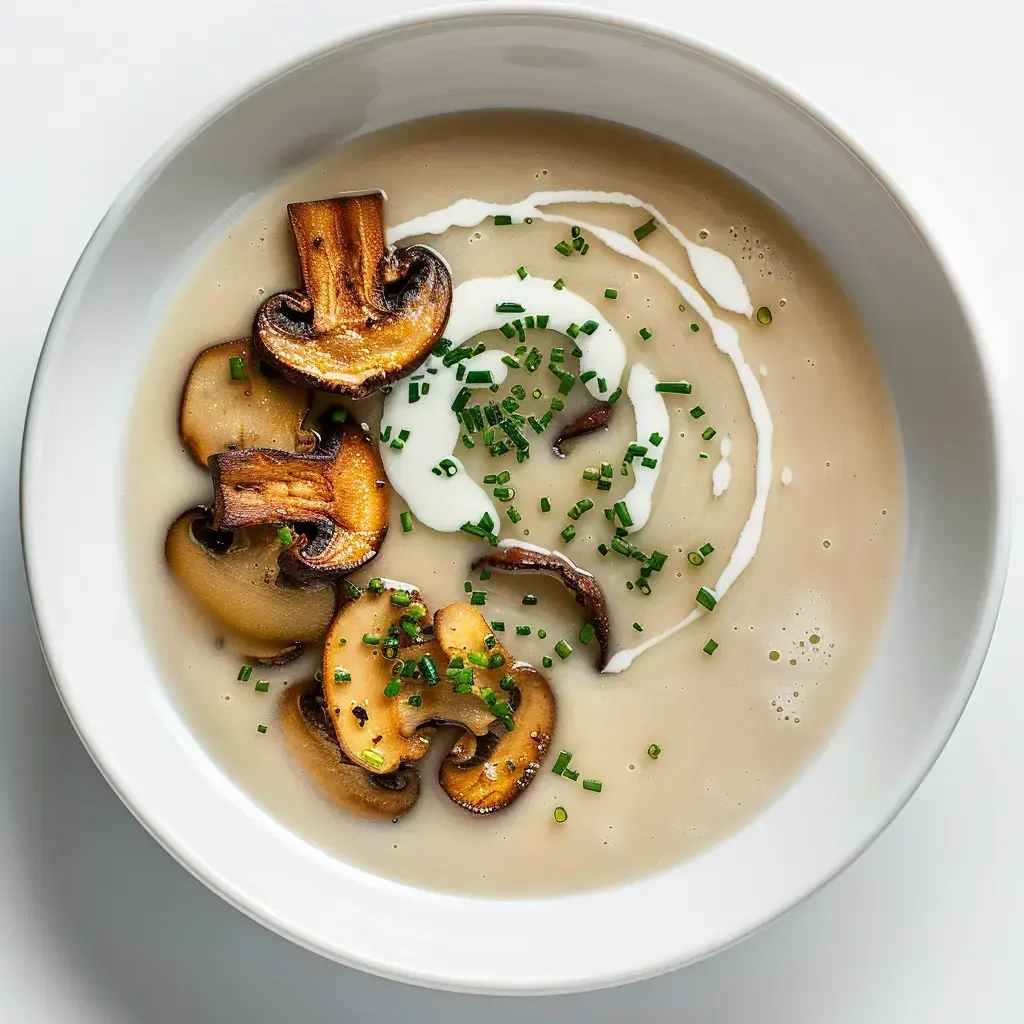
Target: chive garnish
pixel 523 630
pixel 614 396
pixel 284 535
pixel 568 533
pixel 529 599
pixel 504 493
pixel 479 377
pixel 592 785
pixel 506 683
pixel 342 675
pixel 695 328
pixel 559 284
pixel 654 751
pixel 677 387
pixel 696 412
pixel 542 633
pixel 497 625
pixel 611 293
pixel 502 220
pixel 393 688
pixel 244 673
pixel 546 661
pixel 414 392
pixel 415 700
pixel 545 505
pixel 401 598
pixel 448 467
pixel 429 670
pixel 522 272
pixel 622 513
pixel 706 549
pixel 370 756
pixel 764 315
pixel 560 815
pixel 478 597
pixel 587 633
pixel 645 334
pixel 406 518
pixel 638 627
pixel 709 433
pixel 564 248
pixel 710 647
pixel 509 307
pixel 542 318
pixel 702 455
pixel 706 598
pixel 644 230
pixel 467 587
pixel 513 514
pixel 561 762
pixel 589 327
pixel 371 639
pixel 581 506
pixel 236 367
pixel 563 649
pixel 261 728
pixel 262 686
pixel 570 774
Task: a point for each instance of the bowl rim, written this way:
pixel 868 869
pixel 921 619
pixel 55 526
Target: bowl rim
pixel 477 10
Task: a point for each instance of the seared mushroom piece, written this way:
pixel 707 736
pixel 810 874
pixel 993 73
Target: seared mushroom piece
pixel 366 314
pixel 488 773
pixel 338 496
pixel 378 712
pixel 309 736
pixel 586 589
pixel 234 576
pixel 229 402
pixel 591 419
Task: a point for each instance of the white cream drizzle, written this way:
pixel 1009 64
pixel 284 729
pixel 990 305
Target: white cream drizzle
pixel 715 272
pixel 721 475
pixel 651 418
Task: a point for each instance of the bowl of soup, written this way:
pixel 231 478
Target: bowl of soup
pixel 513 502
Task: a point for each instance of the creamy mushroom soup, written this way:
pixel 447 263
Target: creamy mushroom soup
pixel 628 509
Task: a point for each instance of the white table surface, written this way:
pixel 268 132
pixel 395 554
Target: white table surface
pixel 97 924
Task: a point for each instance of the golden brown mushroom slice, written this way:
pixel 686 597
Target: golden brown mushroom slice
pixel 487 774
pixel 366 314
pixel 512 557
pixel 234 577
pixel 593 418
pixel 337 496
pixel 310 738
pixel 230 402
pixel 384 682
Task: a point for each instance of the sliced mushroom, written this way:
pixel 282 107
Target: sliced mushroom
pixel 234 576
pixel 585 588
pixel 310 739
pixel 382 730
pixel 366 314
pixel 229 402
pixel 337 496
pixel 488 773
pixel 593 418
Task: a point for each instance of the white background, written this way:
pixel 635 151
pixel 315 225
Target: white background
pixel 97 924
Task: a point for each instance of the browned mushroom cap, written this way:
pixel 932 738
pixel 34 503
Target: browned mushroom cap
pixel 220 412
pixel 585 588
pixel 591 419
pixel 339 496
pixel 234 576
pixel 488 773
pixel 310 739
pixel 366 314
pixel 366 693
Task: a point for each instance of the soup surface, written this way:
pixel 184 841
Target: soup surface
pixel 784 458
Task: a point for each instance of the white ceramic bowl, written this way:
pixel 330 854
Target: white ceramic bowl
pixel 548 58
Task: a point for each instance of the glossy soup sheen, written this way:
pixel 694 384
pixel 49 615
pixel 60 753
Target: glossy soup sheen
pixel 796 631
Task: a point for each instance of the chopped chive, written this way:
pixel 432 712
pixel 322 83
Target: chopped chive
pixel 504 493
pixel 342 675
pixel 645 333
pixel 587 376
pixel 573 330
pixel 565 249
pixel 606 470
pixel 261 728
pixel 545 505
pixel 677 387
pixel 557 405
pixel 542 319
pixel 284 535
pixel 497 625
pixel 542 633
pixel 710 647
pixel 522 272
pixel 467 587
pixel 560 815
pixel 602 385
pixel 561 762
pixel 478 597
pixel 537 426
pixel 587 633
pixel 478 659
pixel 623 547
pixel 398 444
pixel 568 533
pixel 648 463
pixel 262 686
pixel 352 592
pixel 414 392
pixel 393 688
pixel 479 377
pixel 695 328
pixel 644 230
pixel 592 785
pixel 403 435
pixel 591 473
pixel 532 361
pixel 244 673
pixel 558 355
pixel 513 514
pixel 638 627
pixel 371 639
pixel 563 649
pixel 570 774
pixel 615 396
pixel 576 232
pixel 702 455
pixel 581 506
pixel 401 598
pixel 622 513
pixel 506 683
pixel 589 327
pixel 706 549
pixel 559 284
pixel 654 751
pixel 406 518
pixel 602 549
pixel 546 661
pixel 709 433
pixel 448 467
pixel 764 315
pixel 706 598
pixel 509 307
pixel 369 755
pixel 611 293
pixel 508 330
pixel 429 670
pixel 510 361
pixel 696 412
pixel 236 367
pixel 523 630
pixel 657 560
pixel 529 599
pixel 415 700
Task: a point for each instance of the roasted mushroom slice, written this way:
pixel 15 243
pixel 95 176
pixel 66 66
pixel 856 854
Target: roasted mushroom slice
pixel 310 738
pixel 234 576
pixel 366 314
pixel 338 496
pixel 487 774
pixel 593 418
pixel 373 705
pixel 229 402
pixel 512 556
